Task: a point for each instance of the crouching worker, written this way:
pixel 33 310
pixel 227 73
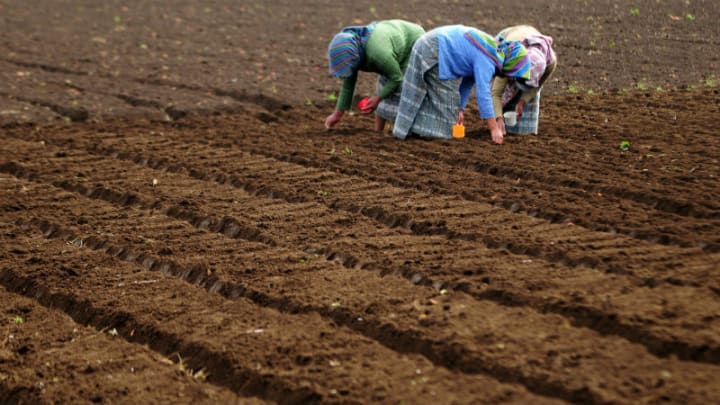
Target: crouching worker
pixel 524 97
pixel 431 101
pixel 382 47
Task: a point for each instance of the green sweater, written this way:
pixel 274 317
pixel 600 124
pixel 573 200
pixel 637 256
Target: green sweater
pixel 387 52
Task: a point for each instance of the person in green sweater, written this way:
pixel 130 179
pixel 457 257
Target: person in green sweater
pixel 381 47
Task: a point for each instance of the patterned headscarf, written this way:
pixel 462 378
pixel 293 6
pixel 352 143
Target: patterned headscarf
pixel 541 54
pixel 347 49
pixel 517 61
pixel 509 57
pixel 487 45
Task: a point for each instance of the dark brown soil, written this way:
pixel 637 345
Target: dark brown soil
pixel 176 225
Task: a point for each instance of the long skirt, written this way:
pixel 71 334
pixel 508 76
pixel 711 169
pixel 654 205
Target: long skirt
pixel 528 123
pixel 428 106
pixel 388 107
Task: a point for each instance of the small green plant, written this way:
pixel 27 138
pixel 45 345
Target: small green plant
pixel 641 85
pixel 612 44
pixel 624 145
pixel 573 89
pixel 347 151
pixel 634 11
pixel 308 101
pixel 659 89
pixel 331 97
pixel 18 319
pixel 710 81
pixel 590 92
pixel 689 17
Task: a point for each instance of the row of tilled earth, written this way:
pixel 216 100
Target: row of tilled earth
pixel 269 261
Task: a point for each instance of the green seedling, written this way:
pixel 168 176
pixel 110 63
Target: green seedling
pixel 641 86
pixel 18 319
pixel 624 145
pixel 710 81
pixel 308 101
pixel 573 89
pixel 331 97
pixel 634 11
pixel 347 151
pixel 689 17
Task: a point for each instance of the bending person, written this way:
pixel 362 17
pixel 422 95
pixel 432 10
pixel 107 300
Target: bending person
pixel 431 102
pixel 524 98
pixel 382 47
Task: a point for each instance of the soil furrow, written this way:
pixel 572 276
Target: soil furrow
pixel 686 232
pixel 499 343
pixel 43 350
pixel 288 284
pixel 564 287
pixel 270 358
pixel 545 242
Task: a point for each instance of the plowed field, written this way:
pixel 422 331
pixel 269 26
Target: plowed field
pixel 176 225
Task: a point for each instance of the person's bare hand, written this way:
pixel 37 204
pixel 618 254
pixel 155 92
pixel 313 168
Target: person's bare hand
pixel 497 135
pixel 501 124
pixel 371 104
pixel 461 118
pixel 333 118
pixel 519 108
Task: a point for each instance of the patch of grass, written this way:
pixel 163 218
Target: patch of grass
pixel 689 17
pixel 331 97
pixel 634 11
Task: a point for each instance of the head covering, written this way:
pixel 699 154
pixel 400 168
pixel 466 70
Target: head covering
pixel 347 49
pixel 517 62
pixel 541 54
pixel 487 45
